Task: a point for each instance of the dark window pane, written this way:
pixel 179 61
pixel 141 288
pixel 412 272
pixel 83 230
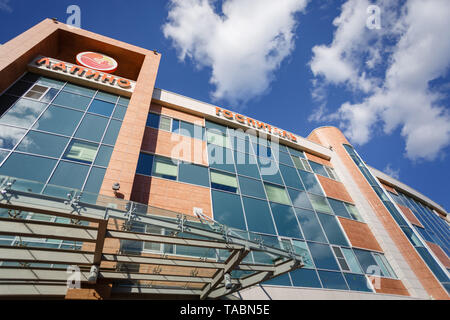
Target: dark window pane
pixel 318 168
pixel 6 102
pixel 145 164
pixel 252 187
pixel 165 168
pixel 297 153
pixel 224 181
pixel 339 208
pixel 258 215
pixel 43 144
pixel 220 158
pixel 30 77
pixel 175 125
pixel 246 165
pixel 291 178
pixel 69 175
pixel 299 199
pixel 285 220
pixel 367 261
pixel 50 83
pixel 49 95
pixel 92 128
pixel 215 126
pixel 153 120
pixel 95 180
pixel 124 101
pixel 285 158
pixel 332 280
pixel 332 229
pixel 81 151
pixel 106 97
pixel 112 132
pixel 305 278
pixel 194 174
pixel 282 280
pixel 242 145
pixel 9 136
pixel 310 225
pixel 101 107
pixel 269 170
pixel 19 88
pixel 23 113
pixel 323 256
pixel 73 88
pixel 119 112
pixel 310 182
pixel 72 100
pixel 228 209
pixel 357 282
pixel 103 156
pixel 24 167
pixel 59 120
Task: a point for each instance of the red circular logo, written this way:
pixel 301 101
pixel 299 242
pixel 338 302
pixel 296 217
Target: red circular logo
pixel 97 61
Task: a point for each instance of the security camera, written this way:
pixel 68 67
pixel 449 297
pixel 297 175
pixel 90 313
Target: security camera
pixel 116 187
pixel 93 275
pixel 228 284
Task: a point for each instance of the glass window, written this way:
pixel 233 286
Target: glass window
pixel 351 260
pixel 112 132
pixel 318 168
pixel 92 128
pixel 305 278
pixel 50 83
pixel 153 120
pixel 107 97
pixel 220 158
pixel 36 92
pixel 299 199
pixel 258 215
pixel 242 145
pixel 19 88
pixel 227 209
pixel 217 138
pixel 368 262
pixel 191 130
pixel 310 225
pixel 291 178
pixel 298 163
pixel 70 175
pixel 24 167
pixel 165 123
pixel 95 180
pixel 43 144
pixel 3 155
pixel 6 102
pixel 165 168
pixel 119 112
pixel 331 173
pixel 223 181
pixel 332 229
pixel 49 95
pixel 252 187
pixel 323 256
pixel 103 156
pixel 357 282
pixel 276 194
pixel 282 280
pixel 285 220
pixel 9 136
pixel 175 125
pixel 296 153
pixel 72 100
pixel 194 174
pixel 310 182
pixel 341 259
pixel 320 203
pixel 246 164
pixel 383 264
pixel 306 165
pixel 332 280
pixel 73 88
pixel 284 158
pixel 59 120
pixel 339 208
pixel 101 107
pixel 23 113
pixel 301 248
pixel 145 164
pixel 353 212
pixel 215 127
pixel 81 151
pixel 30 77
pixel 124 101
pixel 262 150
pixel 269 171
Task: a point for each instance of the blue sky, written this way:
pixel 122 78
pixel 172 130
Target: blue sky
pixel 297 64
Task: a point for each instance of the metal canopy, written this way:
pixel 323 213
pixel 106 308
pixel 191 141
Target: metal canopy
pixel 137 248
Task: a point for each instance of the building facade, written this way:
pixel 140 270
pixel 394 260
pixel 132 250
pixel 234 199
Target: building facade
pixel 73 133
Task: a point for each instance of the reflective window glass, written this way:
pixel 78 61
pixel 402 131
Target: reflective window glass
pixel 191 130
pixel 353 212
pixel 322 256
pixel 194 174
pixel 223 181
pixel 3 155
pixel 332 280
pixel 367 262
pixel 246 165
pixel 81 151
pixel 216 127
pixel 310 182
pixel 119 112
pixel 103 156
pixel 19 88
pixel 217 138
pixel 23 113
pixel 305 278
pixel 301 248
pixel 296 153
pixel 332 229
pixel 299 199
pixel 291 178
pixel 269 170
pixel 252 187
pixel 73 88
pixel 92 128
pixel 112 132
pixel 145 164
pixel 175 125
pixel 285 220
pixel 59 120
pixel 153 120
pixel 9 136
pixel 165 123
pixel 282 280
pixel 106 97
pixel 227 209
pixel 318 168
pixel 220 158
pixel 357 282
pixel 101 107
pixel 320 203
pixel 310 225
pixel 298 163
pixel 276 194
pixel 24 167
pixel 43 144
pixel 70 175
pixel 124 101
pixel 6 102
pixel 285 158
pixel 258 215
pixel 50 82
pixel 48 97
pixel 71 100
pixel 339 208
pixel 165 168
pixel 351 260
pixel 242 145
pixel 95 180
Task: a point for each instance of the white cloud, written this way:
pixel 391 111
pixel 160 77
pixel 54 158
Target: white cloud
pixel 394 173
pixel 419 53
pixel 4 6
pixel 243 45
